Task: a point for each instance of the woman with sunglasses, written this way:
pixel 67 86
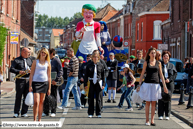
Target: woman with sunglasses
pixel 40 81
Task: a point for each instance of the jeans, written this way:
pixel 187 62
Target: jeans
pixel 71 85
pixel 189 83
pixel 126 95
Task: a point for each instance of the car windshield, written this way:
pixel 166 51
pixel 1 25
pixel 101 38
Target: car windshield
pixel 61 52
pixel 178 65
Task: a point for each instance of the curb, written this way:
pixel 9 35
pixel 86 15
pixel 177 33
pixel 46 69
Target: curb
pixel 182 118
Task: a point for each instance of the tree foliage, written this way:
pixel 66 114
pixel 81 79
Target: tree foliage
pixel 3 34
pixel 55 22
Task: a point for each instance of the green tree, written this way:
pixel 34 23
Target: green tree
pixel 3 34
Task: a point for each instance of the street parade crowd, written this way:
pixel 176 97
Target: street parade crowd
pixel 90 71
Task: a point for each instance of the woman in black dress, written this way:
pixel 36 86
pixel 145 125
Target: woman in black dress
pixel 169 71
pixel 150 90
pixel 95 73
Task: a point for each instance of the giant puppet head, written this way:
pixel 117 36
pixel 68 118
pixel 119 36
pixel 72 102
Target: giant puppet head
pixel 117 41
pixel 88 12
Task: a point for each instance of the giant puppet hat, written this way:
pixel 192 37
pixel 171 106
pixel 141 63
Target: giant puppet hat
pixel 89 7
pixel 117 41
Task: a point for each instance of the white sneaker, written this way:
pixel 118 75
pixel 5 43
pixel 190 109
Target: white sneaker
pixel 99 116
pixel 161 118
pixel 24 115
pixel 60 107
pixel 15 115
pixel 129 109
pixel 76 108
pixel 167 118
pixel 148 124
pixel 89 116
pixel 53 115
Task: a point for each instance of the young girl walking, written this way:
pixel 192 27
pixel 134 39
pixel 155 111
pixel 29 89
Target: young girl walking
pixel 128 81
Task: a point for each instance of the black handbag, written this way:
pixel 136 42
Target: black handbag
pixel 166 97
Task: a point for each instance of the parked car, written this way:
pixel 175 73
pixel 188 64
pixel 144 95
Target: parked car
pixel 61 53
pixel 181 75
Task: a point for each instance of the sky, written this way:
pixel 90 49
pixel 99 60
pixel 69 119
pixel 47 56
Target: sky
pixel 67 8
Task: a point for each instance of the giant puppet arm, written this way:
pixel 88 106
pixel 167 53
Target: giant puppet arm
pixel 79 29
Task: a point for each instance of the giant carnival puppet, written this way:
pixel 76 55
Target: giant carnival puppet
pixel 119 54
pixel 105 38
pixel 89 32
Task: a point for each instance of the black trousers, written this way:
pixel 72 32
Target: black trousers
pixel 22 89
pixel 94 91
pixel 165 107
pixel 101 99
pixel 54 94
pixel 83 100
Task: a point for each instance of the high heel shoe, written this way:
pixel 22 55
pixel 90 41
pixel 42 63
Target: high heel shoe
pixel 153 124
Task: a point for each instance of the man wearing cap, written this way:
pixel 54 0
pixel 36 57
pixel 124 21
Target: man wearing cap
pixel 89 32
pixel 112 77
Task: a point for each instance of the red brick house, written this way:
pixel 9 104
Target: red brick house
pixel 10 13
pixel 177 31
pixel 148 28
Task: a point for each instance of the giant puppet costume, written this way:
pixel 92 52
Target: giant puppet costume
pixel 89 32
pixel 105 38
pixel 119 54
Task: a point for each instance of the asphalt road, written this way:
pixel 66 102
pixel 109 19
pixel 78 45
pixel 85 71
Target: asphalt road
pixel 112 117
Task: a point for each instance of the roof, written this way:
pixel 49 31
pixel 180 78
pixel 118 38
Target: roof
pixel 104 11
pixel 56 32
pixel 117 15
pixel 162 5
pixel 24 34
pixel 110 14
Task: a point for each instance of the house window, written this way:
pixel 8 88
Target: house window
pixel 129 30
pixel 179 10
pixel 190 9
pixel 40 29
pixel 141 31
pixel 157 30
pixel 137 31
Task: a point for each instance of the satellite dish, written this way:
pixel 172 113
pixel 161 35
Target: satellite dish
pixel 25 42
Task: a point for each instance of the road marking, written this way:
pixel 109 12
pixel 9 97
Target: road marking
pixel 65 111
pixel 181 123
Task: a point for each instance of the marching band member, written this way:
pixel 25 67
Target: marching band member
pixel 95 73
pixel 150 91
pixel 56 66
pixel 128 81
pixel 139 60
pixel 40 81
pixel 112 77
pixel 19 66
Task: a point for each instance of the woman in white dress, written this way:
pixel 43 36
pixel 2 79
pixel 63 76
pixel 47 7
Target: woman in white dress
pixel 150 91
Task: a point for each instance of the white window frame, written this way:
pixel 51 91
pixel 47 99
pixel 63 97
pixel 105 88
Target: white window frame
pixel 142 31
pixel 157 23
pixel 129 30
pixel 138 32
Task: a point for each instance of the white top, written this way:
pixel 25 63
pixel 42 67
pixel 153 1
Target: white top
pixel 40 74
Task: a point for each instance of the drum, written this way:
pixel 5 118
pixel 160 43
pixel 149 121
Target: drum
pixel 139 68
pixel 132 66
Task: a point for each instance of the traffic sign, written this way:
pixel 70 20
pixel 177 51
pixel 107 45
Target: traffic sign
pixel 125 44
pixel 162 46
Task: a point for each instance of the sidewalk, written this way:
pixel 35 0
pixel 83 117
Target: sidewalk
pixel 179 111
pixel 7 88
